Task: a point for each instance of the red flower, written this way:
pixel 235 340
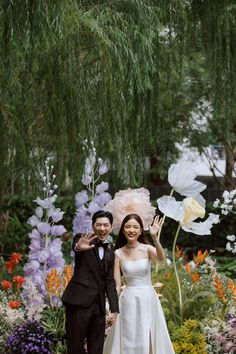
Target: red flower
pixel 6 284
pixel 10 266
pixel 19 280
pixel 14 304
pixel 15 257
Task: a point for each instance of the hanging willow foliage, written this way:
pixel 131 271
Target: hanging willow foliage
pixel 89 69
pixel 217 31
pixel 110 71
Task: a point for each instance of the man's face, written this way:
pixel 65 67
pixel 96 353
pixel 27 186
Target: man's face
pixel 102 228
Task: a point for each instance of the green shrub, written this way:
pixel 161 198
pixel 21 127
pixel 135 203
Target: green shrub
pixel 188 339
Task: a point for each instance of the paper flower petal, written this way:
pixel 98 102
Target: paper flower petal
pixel 181 177
pixel 171 208
pixel 201 228
pixel 131 201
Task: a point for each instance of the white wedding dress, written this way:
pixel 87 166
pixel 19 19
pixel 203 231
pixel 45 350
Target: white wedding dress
pixel 140 327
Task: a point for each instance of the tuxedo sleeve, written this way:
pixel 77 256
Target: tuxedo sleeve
pixel 111 288
pixel 75 240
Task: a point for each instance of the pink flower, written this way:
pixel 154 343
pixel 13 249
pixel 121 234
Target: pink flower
pixel 131 201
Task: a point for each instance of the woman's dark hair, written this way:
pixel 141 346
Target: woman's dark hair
pixel 102 214
pixel 121 239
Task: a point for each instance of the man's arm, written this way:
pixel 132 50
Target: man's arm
pixel 111 289
pixel 82 242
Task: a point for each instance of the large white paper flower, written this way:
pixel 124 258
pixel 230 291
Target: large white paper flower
pixel 186 212
pixel 131 201
pixel 181 177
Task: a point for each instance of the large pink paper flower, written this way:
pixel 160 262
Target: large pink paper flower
pixel 131 201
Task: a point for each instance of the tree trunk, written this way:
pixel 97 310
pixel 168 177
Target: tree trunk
pixel 230 156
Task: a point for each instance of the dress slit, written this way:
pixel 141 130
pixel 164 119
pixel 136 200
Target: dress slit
pixel 150 342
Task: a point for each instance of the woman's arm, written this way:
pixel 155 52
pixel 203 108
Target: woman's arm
pixel 156 253
pixel 117 275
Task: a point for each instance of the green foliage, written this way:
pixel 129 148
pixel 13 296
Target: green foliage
pixel 197 298
pixel 227 266
pixel 188 339
pixel 53 320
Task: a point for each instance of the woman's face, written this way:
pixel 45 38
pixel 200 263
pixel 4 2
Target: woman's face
pixel 132 230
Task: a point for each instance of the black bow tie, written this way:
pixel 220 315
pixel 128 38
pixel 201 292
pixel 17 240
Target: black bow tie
pixel 102 244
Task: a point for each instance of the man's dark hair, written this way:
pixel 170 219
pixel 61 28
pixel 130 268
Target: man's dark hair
pixel 102 214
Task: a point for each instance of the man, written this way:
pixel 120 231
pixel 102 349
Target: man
pixel 84 297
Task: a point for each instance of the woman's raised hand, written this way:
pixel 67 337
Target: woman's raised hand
pixel 155 227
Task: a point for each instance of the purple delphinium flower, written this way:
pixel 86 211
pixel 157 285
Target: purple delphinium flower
pixel 81 198
pixel 102 187
pixel 39 212
pixel 44 228
pixel 33 220
pixel 28 337
pixel 102 199
pixel 95 197
pixel 102 168
pixel 41 258
pixel 55 214
pixel 58 230
pixel 93 207
pixel 82 222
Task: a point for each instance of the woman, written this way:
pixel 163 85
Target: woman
pixel 140 327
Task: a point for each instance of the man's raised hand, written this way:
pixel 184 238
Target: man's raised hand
pixel 84 242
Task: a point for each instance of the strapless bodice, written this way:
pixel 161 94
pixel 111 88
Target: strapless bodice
pixel 137 273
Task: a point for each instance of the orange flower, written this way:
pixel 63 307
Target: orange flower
pixel 202 256
pixel 14 304
pixel 10 266
pixel 178 252
pixel 232 288
pixel 196 260
pixel 195 277
pixel 199 258
pixel 67 274
pixel 6 284
pixel 15 257
pixel 53 283
pixel 18 280
pixel 219 289
pixel 188 268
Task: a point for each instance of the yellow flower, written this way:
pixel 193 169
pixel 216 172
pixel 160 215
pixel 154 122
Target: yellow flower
pixel 192 210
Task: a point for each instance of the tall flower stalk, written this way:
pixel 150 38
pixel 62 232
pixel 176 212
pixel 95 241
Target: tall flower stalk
pixel 95 196
pixel 177 274
pixel 181 177
pixel 45 247
pixel 164 217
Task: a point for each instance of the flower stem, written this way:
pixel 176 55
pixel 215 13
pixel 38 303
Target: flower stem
pixel 222 316
pixel 163 219
pixel 177 275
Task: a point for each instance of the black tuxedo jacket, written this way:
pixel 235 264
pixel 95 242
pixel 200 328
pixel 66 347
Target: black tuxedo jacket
pixel 91 280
